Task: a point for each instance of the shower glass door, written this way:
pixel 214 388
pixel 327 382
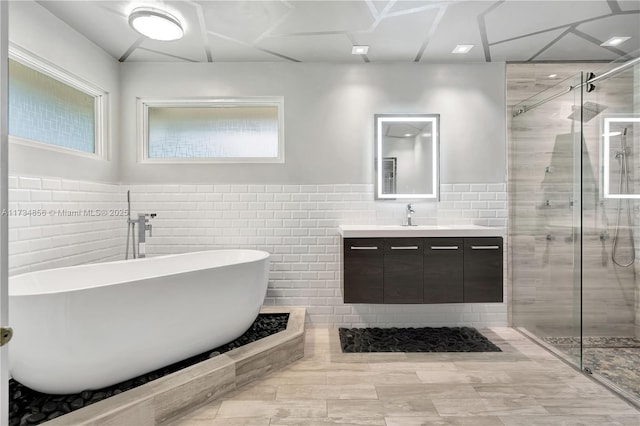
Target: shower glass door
pixel 545 223
pixel 611 192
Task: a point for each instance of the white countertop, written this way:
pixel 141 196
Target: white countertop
pixel 393 231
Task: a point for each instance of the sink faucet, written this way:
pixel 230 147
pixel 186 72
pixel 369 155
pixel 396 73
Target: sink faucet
pixel 410 210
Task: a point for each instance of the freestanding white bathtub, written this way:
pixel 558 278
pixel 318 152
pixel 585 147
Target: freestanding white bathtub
pixel 91 326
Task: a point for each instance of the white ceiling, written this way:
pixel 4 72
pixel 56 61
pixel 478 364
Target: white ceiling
pixel 396 30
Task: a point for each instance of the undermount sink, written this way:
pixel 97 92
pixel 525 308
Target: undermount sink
pixel 409 227
pixel 390 231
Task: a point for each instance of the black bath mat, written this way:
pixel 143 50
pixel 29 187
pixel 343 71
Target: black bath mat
pixel 425 339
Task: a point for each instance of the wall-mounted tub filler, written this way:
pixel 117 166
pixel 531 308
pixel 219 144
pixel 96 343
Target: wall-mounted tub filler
pixel 143 227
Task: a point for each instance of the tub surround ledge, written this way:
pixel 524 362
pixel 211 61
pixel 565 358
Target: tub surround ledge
pixel 172 396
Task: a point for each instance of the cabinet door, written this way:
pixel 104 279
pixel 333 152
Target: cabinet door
pixel 363 270
pixel 483 269
pixel 443 270
pixel 403 261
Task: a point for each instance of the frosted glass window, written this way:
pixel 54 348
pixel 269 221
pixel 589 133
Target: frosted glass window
pixel 46 110
pixel 214 131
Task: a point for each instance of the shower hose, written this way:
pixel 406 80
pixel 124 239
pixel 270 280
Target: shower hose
pixel 624 171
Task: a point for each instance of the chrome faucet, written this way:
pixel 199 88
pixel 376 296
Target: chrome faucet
pixel 410 210
pixel 143 227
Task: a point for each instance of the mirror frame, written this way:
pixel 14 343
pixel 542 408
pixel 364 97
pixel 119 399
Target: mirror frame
pixel 605 153
pixel 379 120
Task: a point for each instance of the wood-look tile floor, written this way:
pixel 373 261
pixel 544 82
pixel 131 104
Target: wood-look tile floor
pixel 522 386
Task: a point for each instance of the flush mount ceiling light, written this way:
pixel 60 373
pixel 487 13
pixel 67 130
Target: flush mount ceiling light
pixel 463 48
pixel 359 50
pixel 553 75
pixel 155 24
pixel 615 41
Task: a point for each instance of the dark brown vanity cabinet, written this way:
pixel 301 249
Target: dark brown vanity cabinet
pixel 423 270
pixel 443 271
pixel 363 270
pixel 483 269
pixel 403 264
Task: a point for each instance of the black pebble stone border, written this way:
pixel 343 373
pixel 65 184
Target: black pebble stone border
pixel 29 407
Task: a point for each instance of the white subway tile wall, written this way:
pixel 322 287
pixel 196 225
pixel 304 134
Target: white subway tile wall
pixel 297 224
pixel 57 222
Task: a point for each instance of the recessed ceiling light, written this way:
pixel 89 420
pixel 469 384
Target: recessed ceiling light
pixel 359 50
pixel 407 135
pixel 463 48
pixel 553 75
pixel 155 24
pixel 615 41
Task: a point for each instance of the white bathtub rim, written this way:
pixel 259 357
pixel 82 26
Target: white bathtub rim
pixel 26 288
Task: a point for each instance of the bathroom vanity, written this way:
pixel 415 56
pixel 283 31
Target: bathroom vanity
pixel 422 264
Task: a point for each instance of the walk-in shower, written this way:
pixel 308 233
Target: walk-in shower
pixel 574 197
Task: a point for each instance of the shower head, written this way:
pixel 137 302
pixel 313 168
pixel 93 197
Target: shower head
pixel 589 111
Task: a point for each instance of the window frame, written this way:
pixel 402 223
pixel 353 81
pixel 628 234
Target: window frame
pixel 143 105
pixel 101 102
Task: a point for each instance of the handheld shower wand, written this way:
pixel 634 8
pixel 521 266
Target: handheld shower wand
pixel 622 155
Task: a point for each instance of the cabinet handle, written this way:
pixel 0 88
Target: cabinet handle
pixel 364 248
pixel 444 247
pixel 485 247
pixel 404 248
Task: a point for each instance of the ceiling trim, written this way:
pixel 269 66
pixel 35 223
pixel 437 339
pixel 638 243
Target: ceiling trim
pixel 552 42
pixel 432 30
pixel 575 24
pixel 167 54
pixel 598 43
pixel 614 6
pixel 131 48
pixel 436 5
pixel 379 17
pixel 284 17
pixel 482 27
pixel 203 29
pixel 424 33
pixel 244 43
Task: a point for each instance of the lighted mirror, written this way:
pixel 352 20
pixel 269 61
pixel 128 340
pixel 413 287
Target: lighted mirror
pixel 406 156
pixel 619 141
